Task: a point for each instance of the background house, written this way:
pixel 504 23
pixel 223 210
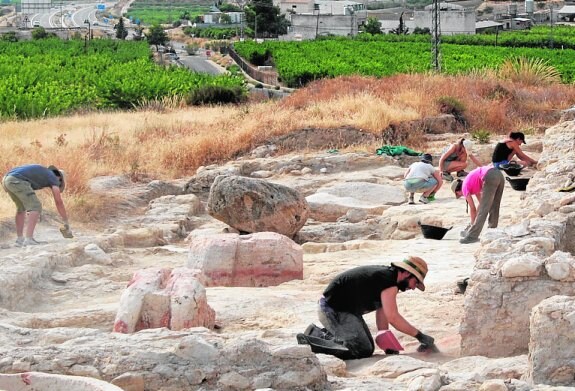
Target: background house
pixel 453 19
pixel 324 17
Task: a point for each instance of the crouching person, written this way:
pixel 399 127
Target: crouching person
pixel 359 291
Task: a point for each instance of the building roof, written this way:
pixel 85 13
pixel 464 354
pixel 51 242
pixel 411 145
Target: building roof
pixel 446 6
pixel 567 10
pixel 484 24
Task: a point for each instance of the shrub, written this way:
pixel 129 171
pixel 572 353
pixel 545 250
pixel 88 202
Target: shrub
pixel 481 136
pixel 532 71
pixel 216 94
pixel 10 36
pixel 451 105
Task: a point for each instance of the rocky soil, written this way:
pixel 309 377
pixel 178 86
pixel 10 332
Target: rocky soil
pixel 60 298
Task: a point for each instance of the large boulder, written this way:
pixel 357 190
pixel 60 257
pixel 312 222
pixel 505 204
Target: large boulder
pixel 260 259
pixel 156 297
pixel 254 205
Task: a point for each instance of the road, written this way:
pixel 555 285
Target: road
pixel 70 16
pixel 199 62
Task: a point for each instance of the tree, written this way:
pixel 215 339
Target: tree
pixel 39 33
pixel 372 26
pixel 225 19
pixel 157 36
pixel 10 36
pixel 121 31
pixel 264 19
pixel 227 7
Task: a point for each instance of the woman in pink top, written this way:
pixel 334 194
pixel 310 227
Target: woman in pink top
pixel 486 184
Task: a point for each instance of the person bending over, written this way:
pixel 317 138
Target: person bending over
pixel 486 184
pixel 21 183
pixel 508 148
pixel 359 291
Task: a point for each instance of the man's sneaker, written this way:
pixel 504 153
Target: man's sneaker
pixel 446 176
pixel 31 242
pixel 462 173
pixel 19 242
pixel 468 240
pixel 431 197
pixel 424 200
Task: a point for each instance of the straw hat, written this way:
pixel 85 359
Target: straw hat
pixel 416 266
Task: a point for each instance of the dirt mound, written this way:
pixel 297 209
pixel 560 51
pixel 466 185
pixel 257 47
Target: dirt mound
pixel 320 139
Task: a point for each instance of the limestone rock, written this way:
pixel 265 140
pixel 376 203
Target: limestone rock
pixel 396 365
pixel 561 266
pixel 163 298
pixel 142 237
pixel 39 381
pixel 332 202
pixel 259 259
pixel 253 205
pixel 523 266
pixel 552 343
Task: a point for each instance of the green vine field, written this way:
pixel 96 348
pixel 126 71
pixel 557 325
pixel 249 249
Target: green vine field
pixel 51 77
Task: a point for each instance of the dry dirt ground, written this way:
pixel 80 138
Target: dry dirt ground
pixel 88 295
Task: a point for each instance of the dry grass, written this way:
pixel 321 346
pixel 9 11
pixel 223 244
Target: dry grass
pixel 167 141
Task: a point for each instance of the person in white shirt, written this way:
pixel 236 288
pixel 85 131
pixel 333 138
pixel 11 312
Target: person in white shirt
pixel 422 177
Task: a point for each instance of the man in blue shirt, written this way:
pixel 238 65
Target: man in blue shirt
pixel 21 183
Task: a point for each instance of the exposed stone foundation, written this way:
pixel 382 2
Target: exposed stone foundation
pixel 518 266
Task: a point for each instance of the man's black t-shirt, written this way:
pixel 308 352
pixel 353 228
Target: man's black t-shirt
pixel 358 290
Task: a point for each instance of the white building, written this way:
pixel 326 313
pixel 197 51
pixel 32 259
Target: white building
pixel 453 19
pixel 310 19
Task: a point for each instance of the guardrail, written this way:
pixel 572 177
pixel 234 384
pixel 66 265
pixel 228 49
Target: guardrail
pixel 263 76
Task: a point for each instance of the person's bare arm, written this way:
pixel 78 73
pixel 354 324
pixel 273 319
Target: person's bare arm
pixel 59 203
pixel 472 209
pixel 381 320
pixel 389 304
pixel 407 172
pixel 523 156
pixel 474 159
pixel 437 176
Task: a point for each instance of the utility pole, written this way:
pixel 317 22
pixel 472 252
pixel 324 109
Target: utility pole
pixel 316 8
pixel 242 21
pixel 435 37
pixel 352 14
pixel 550 26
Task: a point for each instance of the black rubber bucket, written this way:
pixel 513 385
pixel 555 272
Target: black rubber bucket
pixel 519 184
pixel 433 232
pixel 512 169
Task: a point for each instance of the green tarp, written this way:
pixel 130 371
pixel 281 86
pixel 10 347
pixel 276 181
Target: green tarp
pixel 396 150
